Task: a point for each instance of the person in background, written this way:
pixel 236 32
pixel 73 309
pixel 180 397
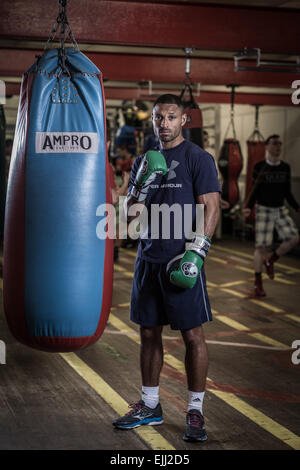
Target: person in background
pixel 125 160
pixel 271 187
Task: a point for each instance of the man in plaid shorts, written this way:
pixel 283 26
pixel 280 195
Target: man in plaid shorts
pixel 271 186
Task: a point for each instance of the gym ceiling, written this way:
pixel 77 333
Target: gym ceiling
pixel 141 46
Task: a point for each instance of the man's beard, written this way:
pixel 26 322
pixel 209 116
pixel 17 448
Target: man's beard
pixel 168 137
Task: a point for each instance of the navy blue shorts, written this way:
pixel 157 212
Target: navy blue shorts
pixel 155 301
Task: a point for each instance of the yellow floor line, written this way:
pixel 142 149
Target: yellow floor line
pixel 278 278
pixel 211 284
pixel 155 440
pixel 230 284
pixel 229 250
pixel 266 305
pixel 233 292
pixel 240 405
pixel 218 260
pixel 271 426
pixel 123 270
pixel 128 252
pixel 261 303
pixel 245 255
pixel 293 317
pixel 238 326
pixel 232 323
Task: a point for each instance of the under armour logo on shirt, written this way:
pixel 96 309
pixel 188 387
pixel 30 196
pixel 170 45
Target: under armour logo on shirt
pixel 171 173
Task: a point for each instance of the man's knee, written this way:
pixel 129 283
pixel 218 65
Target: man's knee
pixel 194 337
pixel 151 334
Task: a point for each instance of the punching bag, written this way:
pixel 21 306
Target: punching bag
pixel 256 153
pixel 230 161
pixel 57 282
pixel 230 165
pixel 192 130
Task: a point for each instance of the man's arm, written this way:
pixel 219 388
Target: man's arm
pixel 211 202
pixel 186 274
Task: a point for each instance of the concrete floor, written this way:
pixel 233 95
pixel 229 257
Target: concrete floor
pixel 68 401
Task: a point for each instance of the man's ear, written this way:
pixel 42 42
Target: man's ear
pixel 183 119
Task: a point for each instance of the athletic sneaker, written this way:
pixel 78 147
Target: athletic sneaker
pixel 269 264
pixel 140 414
pixel 195 429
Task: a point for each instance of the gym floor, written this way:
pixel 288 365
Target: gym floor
pixel 68 401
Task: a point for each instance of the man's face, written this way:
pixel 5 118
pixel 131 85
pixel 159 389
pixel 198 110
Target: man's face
pixel 168 120
pixel 274 147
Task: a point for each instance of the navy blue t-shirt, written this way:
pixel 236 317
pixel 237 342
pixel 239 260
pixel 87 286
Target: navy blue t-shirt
pixel 191 173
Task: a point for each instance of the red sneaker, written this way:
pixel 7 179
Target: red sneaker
pixel 258 288
pixel 269 264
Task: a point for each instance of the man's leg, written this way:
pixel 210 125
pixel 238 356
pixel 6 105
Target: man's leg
pixel 151 355
pixel 148 410
pixel 283 248
pixel 196 365
pixel 196 358
pixel 288 232
pixel 287 246
pixel 259 256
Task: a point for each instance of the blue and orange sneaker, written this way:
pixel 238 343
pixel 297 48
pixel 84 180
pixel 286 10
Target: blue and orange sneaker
pixel 195 429
pixel 139 415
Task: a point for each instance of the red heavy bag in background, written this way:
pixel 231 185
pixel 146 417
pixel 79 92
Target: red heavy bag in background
pixel 230 165
pixel 256 153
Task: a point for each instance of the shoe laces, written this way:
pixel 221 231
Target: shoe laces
pixel 195 419
pixel 135 407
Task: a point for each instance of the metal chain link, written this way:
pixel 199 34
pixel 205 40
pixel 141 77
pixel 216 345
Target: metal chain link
pixel 62 23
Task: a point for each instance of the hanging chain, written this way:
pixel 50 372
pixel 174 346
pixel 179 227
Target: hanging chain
pixel 256 133
pixel 188 51
pixel 231 122
pixel 62 23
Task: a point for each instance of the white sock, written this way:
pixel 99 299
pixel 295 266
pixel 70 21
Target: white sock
pixel 150 396
pixel 195 401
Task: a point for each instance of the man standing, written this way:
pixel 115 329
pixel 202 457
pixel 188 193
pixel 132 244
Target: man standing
pixel 169 282
pixel 270 187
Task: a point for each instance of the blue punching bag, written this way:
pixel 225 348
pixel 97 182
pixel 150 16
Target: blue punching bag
pixel 58 274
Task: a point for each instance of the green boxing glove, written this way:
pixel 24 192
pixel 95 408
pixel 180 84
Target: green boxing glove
pixel 152 164
pixel 186 274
